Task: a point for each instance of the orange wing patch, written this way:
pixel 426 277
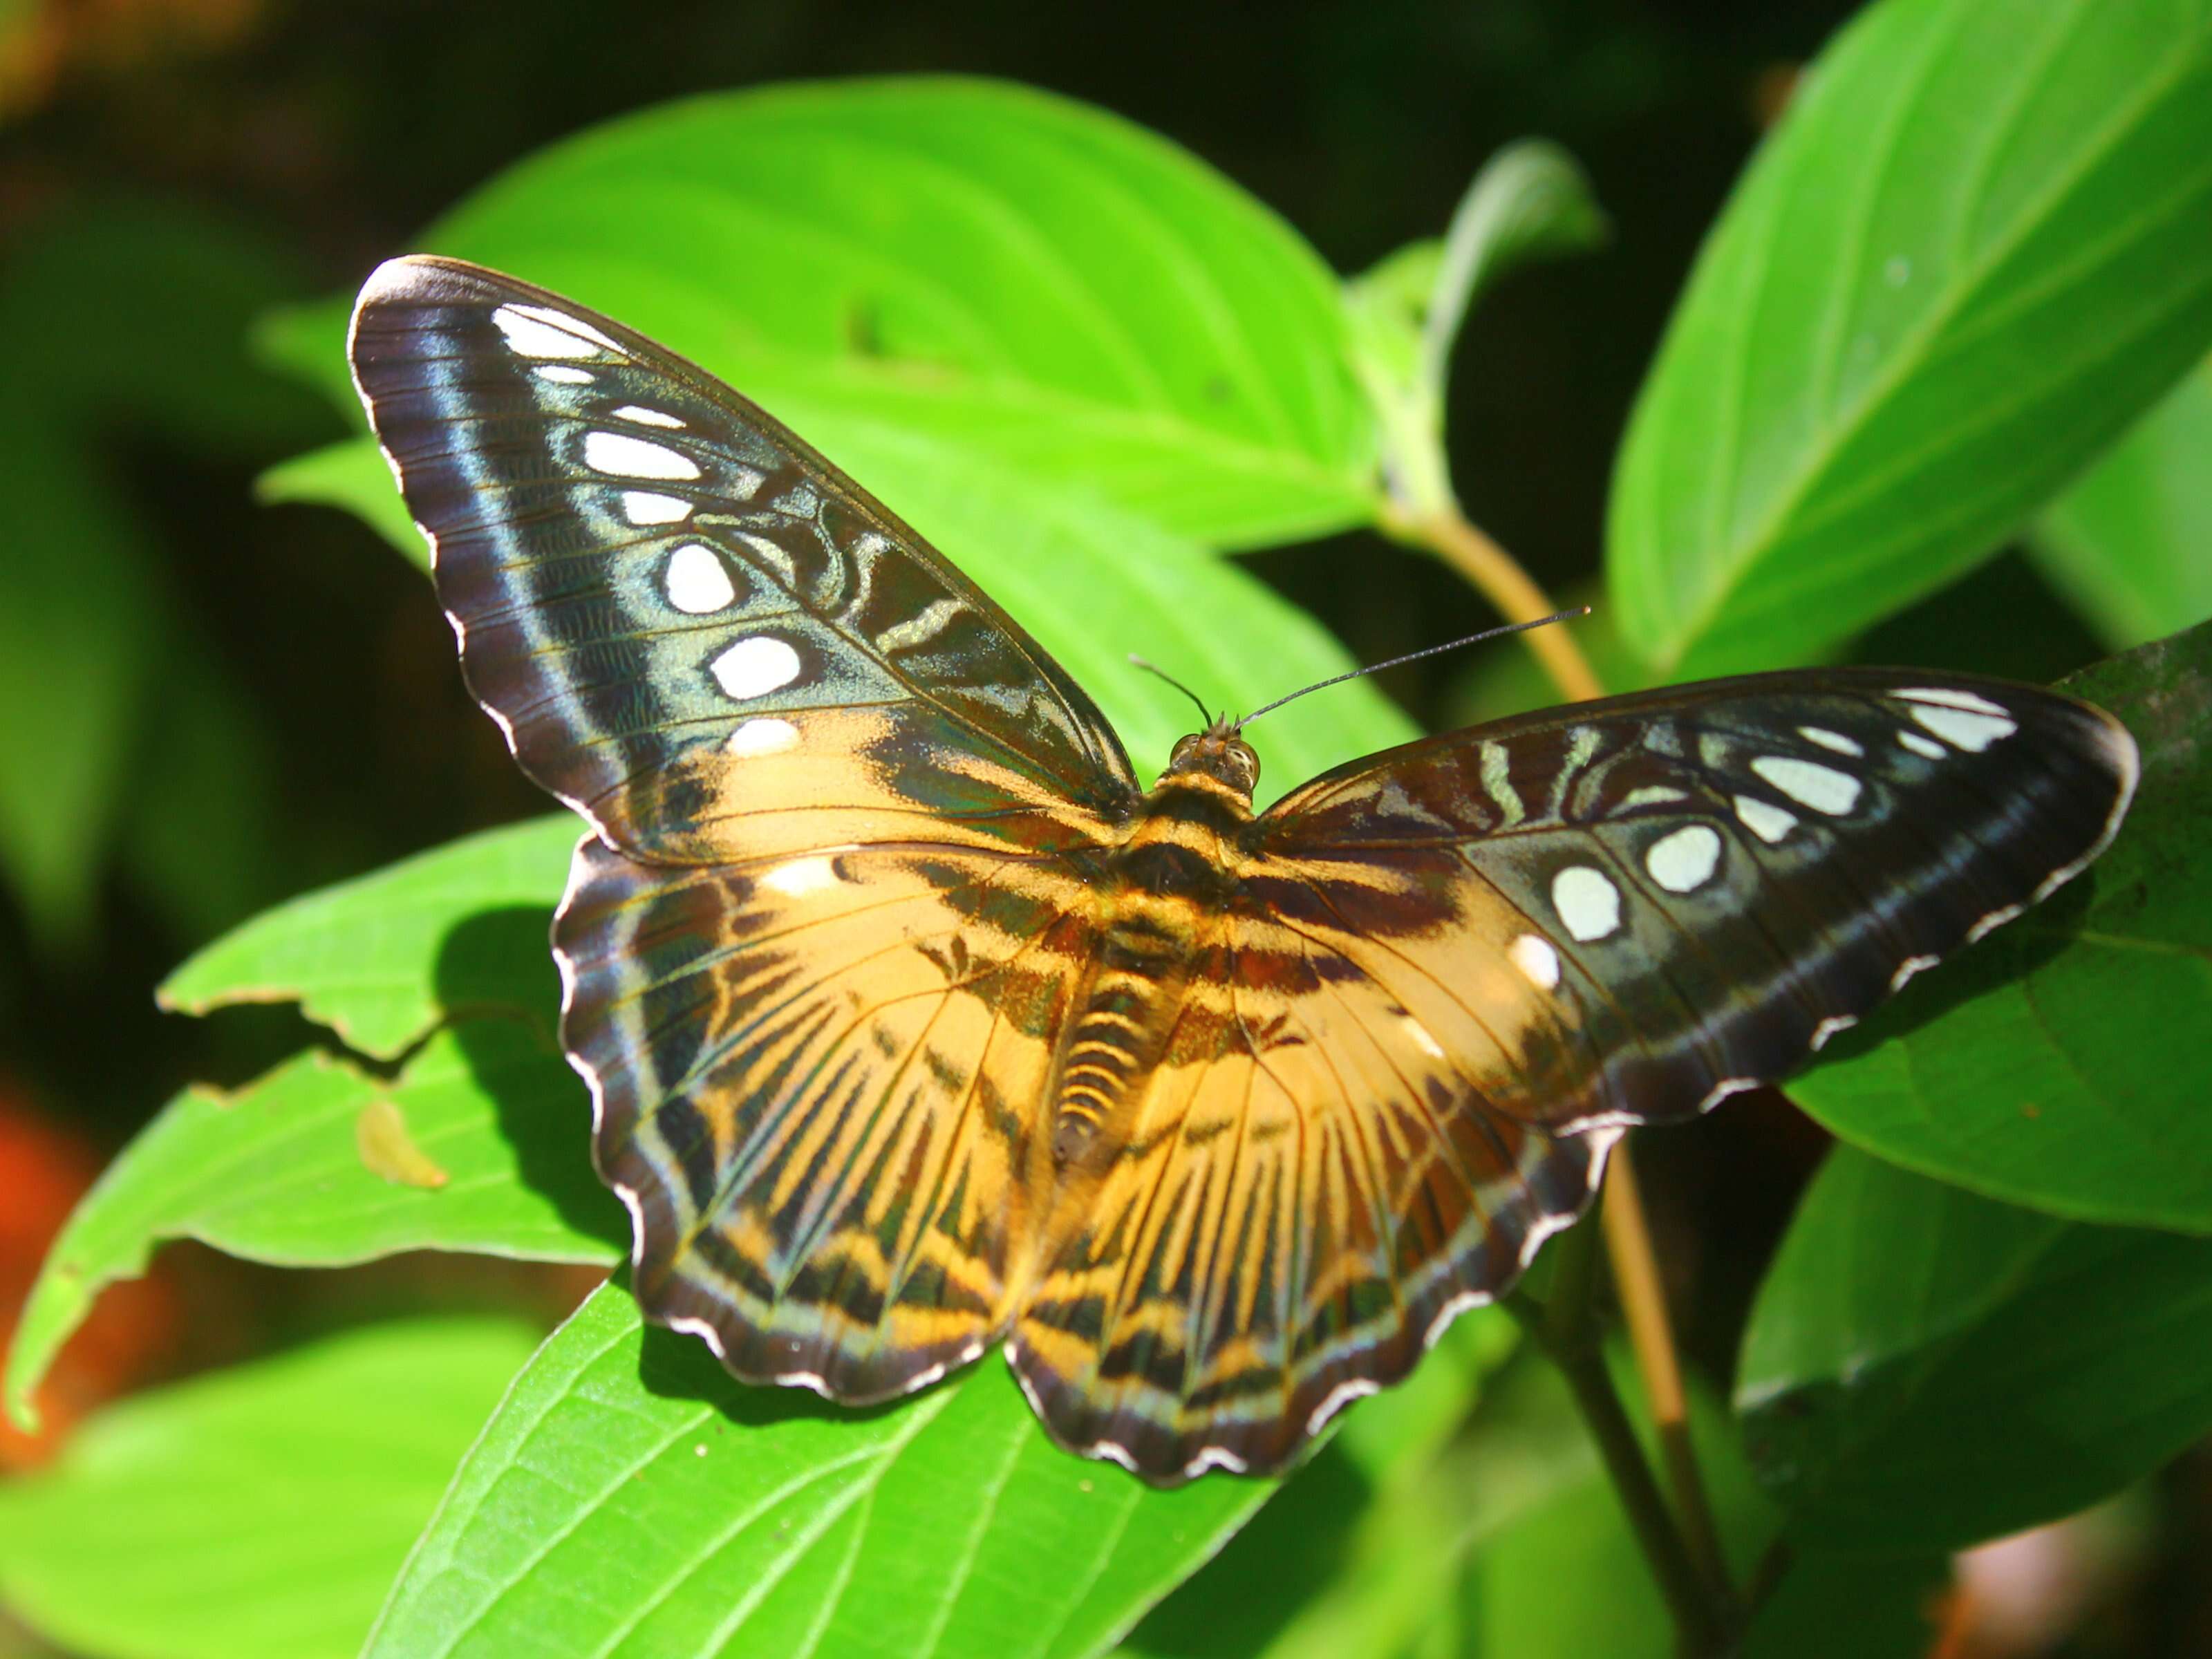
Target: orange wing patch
pixel 1315 1183
pixel 815 1077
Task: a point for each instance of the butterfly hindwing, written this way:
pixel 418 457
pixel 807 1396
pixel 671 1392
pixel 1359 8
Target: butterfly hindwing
pixel 656 585
pixel 1307 1196
pixel 813 1078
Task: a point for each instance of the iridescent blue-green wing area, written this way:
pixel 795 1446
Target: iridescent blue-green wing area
pixel 1688 891
pixel 815 951
pixel 1460 967
pixel 650 576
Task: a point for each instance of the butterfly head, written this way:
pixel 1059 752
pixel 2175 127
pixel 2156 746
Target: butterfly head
pixel 1217 753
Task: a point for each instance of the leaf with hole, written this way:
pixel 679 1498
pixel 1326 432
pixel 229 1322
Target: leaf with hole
pixel 276 1173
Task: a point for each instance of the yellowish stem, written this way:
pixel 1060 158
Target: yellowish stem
pixel 1501 579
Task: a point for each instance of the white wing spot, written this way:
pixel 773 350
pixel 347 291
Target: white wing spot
pixel 1770 824
pixel 1587 902
pixel 1537 960
pixel 764 735
pixel 1684 861
pixel 1963 728
pixel 1996 918
pixel 801 876
pixel 562 373
pixel 697 584
pixel 1907 968
pixel 541 331
pixel 1827 739
pixel 1829 1027
pixel 756 665
pixel 635 458
pixel 1653 795
pixel 1951 697
pixel 1424 1038
pixel 1823 788
pixel 642 507
pixel 1920 745
pixel 644 416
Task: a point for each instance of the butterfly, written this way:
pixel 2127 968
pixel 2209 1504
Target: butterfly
pixel 914 1023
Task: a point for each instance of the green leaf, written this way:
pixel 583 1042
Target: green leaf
pixel 629 1498
pixel 1026 279
pixel 352 475
pixel 1529 202
pixel 1927 1368
pixel 382 958
pixel 2060 1063
pixel 2131 544
pixel 286 1170
pixel 260 1510
pixel 1977 247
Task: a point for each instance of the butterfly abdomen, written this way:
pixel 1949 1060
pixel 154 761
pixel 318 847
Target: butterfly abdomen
pixel 1165 889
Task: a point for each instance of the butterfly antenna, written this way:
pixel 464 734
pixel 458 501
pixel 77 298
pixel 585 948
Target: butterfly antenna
pixel 1204 713
pixel 1415 656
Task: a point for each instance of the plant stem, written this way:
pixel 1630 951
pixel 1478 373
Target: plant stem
pixel 1447 532
pixel 1571 1344
pixel 1499 578
pixel 1644 1303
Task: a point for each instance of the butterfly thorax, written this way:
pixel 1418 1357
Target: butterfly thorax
pixel 1163 893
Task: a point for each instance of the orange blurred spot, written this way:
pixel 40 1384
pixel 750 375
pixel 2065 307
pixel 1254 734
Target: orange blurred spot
pixel 44 1170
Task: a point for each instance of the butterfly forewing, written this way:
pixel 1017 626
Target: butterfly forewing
pixel 1618 912
pixel 657 586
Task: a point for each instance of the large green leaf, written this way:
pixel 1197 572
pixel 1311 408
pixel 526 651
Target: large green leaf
pixel 628 1498
pixel 2131 544
pixel 258 1511
pixel 1925 1367
pixel 478 1144
pixel 1979 246
pixel 1024 278
pixel 2061 1063
pixel 382 958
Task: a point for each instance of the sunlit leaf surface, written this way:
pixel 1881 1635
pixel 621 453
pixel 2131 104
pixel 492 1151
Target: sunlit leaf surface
pixel 628 1498
pixel 2131 544
pixel 258 1512
pixel 1024 278
pixel 1979 246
